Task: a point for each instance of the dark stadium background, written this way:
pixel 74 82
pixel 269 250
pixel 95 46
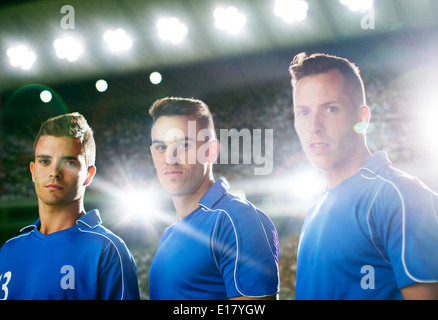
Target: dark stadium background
pixel 243 78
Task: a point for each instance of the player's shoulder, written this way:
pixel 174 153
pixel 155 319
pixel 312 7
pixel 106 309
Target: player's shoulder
pixel 16 241
pixel 382 175
pixel 241 211
pixel 101 234
pixel 231 208
pixel 91 226
pixel 398 189
pixel 219 199
pixel 235 205
pixel 402 183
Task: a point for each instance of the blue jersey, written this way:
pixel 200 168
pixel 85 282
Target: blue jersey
pixel 86 261
pixel 225 248
pixel 372 235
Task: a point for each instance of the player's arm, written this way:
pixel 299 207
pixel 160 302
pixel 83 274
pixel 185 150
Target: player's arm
pixel 118 274
pixel 420 291
pixel 409 207
pixel 252 273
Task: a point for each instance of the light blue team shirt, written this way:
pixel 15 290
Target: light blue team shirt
pixel 225 248
pixel 372 235
pixel 86 261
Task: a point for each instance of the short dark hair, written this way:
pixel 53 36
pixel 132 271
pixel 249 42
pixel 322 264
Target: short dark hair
pixel 72 125
pixel 303 65
pixel 177 106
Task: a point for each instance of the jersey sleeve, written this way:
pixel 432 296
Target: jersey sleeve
pixel 118 273
pixel 246 252
pixel 407 224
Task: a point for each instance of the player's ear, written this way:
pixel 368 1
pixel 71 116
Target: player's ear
pixel 365 114
pixel 363 119
pixel 90 175
pixel 213 151
pixel 31 166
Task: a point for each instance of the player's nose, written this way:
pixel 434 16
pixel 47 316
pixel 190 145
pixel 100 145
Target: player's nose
pixel 56 171
pixel 172 156
pixel 316 125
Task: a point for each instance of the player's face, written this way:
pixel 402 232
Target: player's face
pixel 175 151
pixel 59 170
pixel 325 119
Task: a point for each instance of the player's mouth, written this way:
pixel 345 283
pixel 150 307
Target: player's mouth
pixel 318 146
pixel 54 187
pixel 172 173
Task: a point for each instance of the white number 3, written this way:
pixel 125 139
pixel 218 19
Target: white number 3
pixel 4 288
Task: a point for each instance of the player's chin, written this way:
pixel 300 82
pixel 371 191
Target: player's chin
pixel 56 201
pixel 320 163
pixel 171 185
pixel 176 192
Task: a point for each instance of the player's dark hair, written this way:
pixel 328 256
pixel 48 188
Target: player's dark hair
pixel 72 125
pixel 177 106
pixel 303 66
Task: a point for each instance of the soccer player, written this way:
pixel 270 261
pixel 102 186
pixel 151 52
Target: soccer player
pixel 374 233
pixel 66 253
pixel 221 247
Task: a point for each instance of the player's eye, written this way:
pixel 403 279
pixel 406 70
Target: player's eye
pixel 302 112
pixel 183 145
pixel 331 109
pixel 158 147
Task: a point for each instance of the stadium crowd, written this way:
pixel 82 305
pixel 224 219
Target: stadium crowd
pixel 123 139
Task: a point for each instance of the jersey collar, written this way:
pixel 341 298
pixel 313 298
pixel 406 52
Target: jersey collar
pixel 377 162
pixel 215 193
pixel 31 227
pixel 91 219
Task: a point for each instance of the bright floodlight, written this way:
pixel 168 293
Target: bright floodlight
pixel 136 205
pixel 141 207
pixel 117 40
pixel 229 19
pixel 46 96
pixel 155 77
pixel 68 48
pixel 101 85
pixel 22 57
pixel 426 98
pixel 429 127
pixel 358 5
pixel 291 10
pixel 171 30
pixel 305 184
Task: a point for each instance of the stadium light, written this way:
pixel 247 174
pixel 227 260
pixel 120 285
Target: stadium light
pixel 291 10
pixel 171 30
pixel 117 40
pixel 427 115
pixel 101 85
pixel 21 56
pixel 306 184
pixel 155 77
pixel 429 126
pixel 68 48
pixel 358 5
pixel 136 206
pixel 229 19
pixel 141 207
pixel 139 201
pixel 46 96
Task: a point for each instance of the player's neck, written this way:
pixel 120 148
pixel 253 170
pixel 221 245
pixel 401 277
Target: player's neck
pixel 185 204
pixel 54 218
pixel 346 170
